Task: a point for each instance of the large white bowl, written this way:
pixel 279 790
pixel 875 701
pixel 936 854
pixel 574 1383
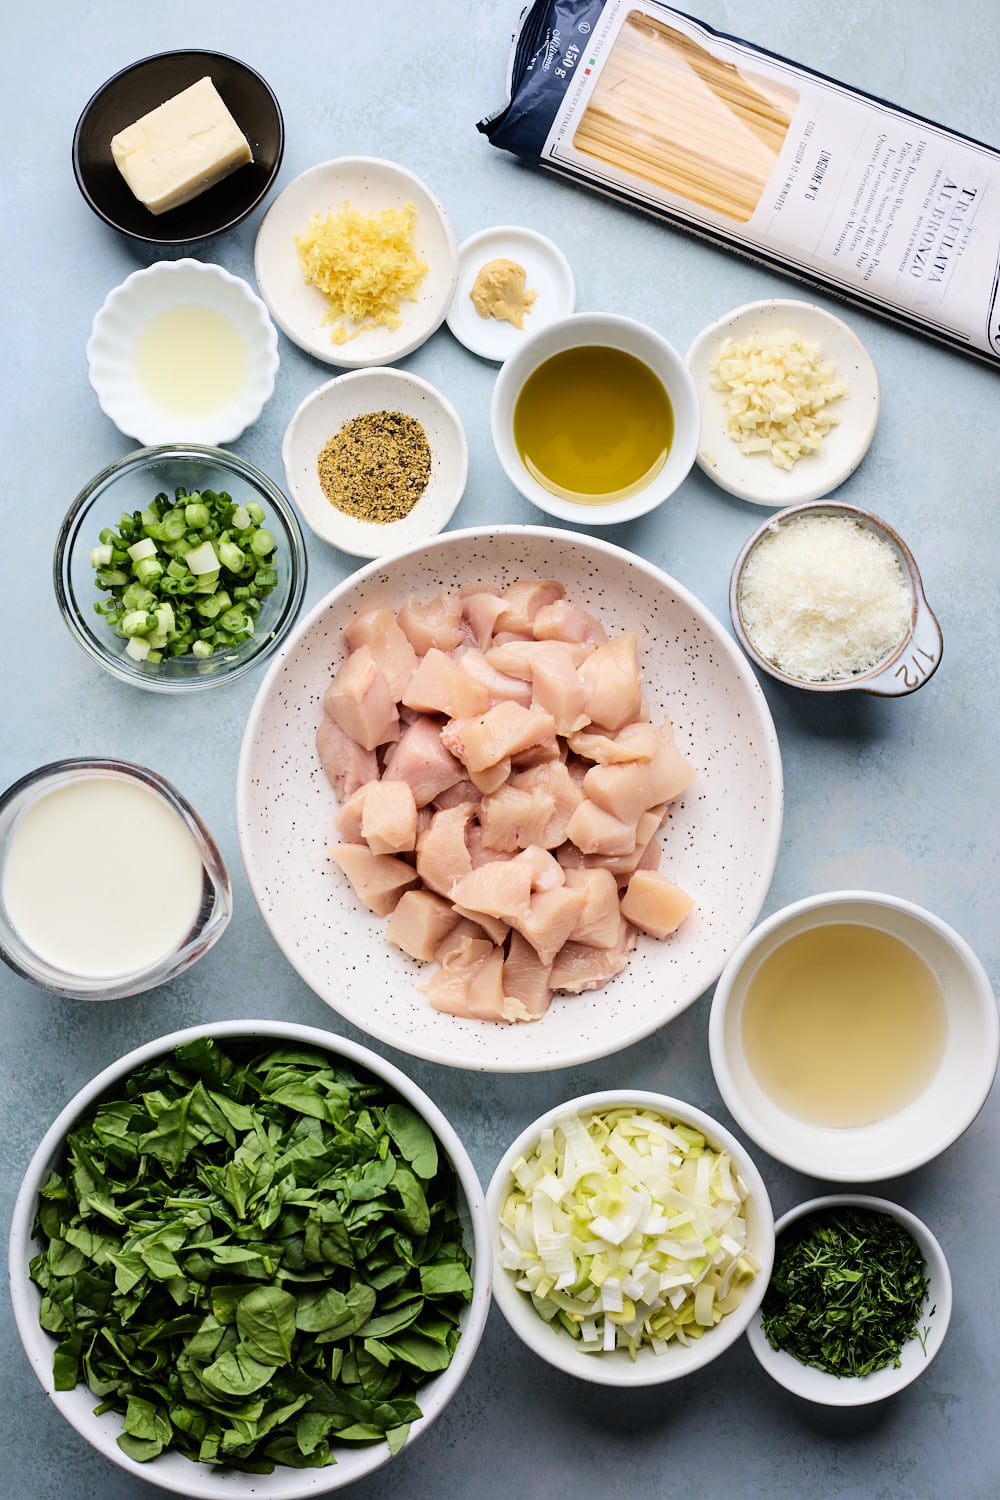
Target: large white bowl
pixel 909 1137
pixel 826 1389
pixel 370 184
pixel 618 1368
pixel 173 1471
pixel 610 331
pixel 723 833
pixel 144 295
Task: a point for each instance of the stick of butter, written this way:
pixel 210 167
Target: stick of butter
pixel 179 149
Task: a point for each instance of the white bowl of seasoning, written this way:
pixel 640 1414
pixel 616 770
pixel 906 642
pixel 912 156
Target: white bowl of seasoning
pixel 789 401
pixel 891 1316
pixel 376 460
pixel 183 351
pixel 827 597
pixel 122 933
pixel 595 419
pixel 854 1036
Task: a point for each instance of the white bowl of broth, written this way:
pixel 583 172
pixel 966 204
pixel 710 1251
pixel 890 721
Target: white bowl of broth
pixel 595 419
pixel 854 1036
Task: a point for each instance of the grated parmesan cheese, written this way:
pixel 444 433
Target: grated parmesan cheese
pixel 778 388
pixel 824 598
pixel 364 264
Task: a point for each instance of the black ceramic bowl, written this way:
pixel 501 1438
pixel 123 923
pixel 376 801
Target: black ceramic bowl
pixel 134 92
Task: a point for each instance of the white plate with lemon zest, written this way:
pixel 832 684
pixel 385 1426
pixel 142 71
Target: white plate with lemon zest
pixel 789 401
pixel 370 187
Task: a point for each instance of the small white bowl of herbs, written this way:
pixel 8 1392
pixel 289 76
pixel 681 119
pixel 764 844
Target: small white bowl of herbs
pixel 858 1303
pixel 283 1247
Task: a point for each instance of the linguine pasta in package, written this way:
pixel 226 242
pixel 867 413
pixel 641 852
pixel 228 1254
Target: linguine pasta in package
pixel 765 157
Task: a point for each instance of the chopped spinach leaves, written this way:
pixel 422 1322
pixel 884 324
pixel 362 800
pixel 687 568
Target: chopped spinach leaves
pixel 252 1257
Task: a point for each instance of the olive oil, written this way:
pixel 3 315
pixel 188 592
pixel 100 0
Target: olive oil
pixel 190 360
pixel 593 424
pixel 843 1025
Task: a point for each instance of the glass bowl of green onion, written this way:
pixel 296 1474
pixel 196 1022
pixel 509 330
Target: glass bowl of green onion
pixel 180 567
pixel 858 1303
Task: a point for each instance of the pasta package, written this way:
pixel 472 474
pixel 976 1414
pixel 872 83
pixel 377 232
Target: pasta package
pixel 763 156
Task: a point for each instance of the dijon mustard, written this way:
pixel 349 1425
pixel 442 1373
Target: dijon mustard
pixel 499 291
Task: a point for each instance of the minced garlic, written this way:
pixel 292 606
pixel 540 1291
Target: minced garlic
pixel 778 388
pixel 364 264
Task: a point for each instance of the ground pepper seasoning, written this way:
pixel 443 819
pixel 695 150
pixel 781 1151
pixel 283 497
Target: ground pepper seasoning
pixel 376 467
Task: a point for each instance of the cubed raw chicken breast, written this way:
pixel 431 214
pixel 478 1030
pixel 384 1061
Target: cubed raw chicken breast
pixel 389 817
pixel 347 764
pixel 420 923
pixel 359 701
pixel 378 879
pixel 422 761
pixel 378 629
pixel 629 790
pixel 501 789
pixel 442 855
pixel 441 685
pixel 434 622
pixel 611 679
pixel 655 904
pixel 485 740
pixel 563 621
pixel 579 967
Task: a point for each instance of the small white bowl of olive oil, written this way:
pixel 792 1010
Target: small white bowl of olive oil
pixel 854 1036
pixel 595 419
pixel 183 351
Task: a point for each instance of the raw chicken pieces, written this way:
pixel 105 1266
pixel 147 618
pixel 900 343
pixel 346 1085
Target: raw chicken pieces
pixel 501 789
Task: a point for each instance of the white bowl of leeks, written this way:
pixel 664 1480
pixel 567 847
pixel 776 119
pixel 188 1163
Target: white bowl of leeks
pixel 621 1168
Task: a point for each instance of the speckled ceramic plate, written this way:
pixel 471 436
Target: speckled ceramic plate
pixel 370 185
pixel 720 842
pixel 754 476
pixel 547 273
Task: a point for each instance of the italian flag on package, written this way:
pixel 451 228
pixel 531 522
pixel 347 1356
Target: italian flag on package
pixel 770 159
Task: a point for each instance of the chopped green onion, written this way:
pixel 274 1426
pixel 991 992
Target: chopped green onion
pixel 185 550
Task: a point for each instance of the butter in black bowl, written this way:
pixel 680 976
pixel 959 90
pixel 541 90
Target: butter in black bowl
pixel 132 94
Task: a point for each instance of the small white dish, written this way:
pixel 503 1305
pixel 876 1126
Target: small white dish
pixel 547 273
pixel 324 413
pixel 126 314
pixel 368 184
pixel 826 1389
pixel 913 1133
pixel 754 476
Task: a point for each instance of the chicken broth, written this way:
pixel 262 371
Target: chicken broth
pixel 593 424
pixel 843 1025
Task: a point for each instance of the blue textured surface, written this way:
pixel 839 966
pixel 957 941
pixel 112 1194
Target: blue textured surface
pixel 898 795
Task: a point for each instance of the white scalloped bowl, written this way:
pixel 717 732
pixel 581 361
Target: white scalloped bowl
pixel 126 312
pixel 721 845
